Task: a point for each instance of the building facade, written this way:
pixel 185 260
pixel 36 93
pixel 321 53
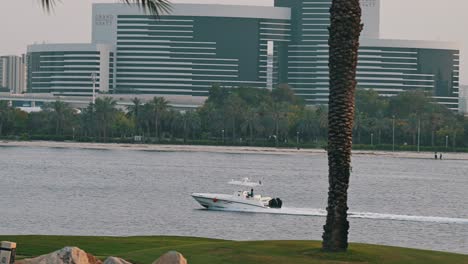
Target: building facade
pixel 387 66
pixel 13 74
pixel 194 47
pixel 394 66
pixel 197 46
pixel 463 109
pixel 68 69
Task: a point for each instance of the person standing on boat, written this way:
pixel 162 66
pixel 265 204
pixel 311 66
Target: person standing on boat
pixel 251 193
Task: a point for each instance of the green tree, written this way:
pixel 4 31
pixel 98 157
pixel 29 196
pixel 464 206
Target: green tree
pixel 60 113
pixel 6 116
pixel 123 125
pixel 345 29
pixel 191 124
pixel 134 111
pixel 158 106
pixel 234 107
pixel 250 121
pixel 105 115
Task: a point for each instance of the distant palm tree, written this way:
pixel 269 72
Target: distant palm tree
pixel 105 113
pixel 61 112
pixel 135 112
pixel 158 106
pixel 279 112
pixel 156 7
pixel 250 117
pixel 5 115
pixel 345 30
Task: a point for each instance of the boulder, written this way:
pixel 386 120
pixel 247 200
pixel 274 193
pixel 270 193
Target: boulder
pixel 66 255
pixel 171 257
pixel 115 260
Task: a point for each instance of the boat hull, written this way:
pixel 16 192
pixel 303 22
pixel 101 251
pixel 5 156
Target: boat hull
pixel 223 201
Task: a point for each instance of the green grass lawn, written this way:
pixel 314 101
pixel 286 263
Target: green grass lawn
pixel 206 251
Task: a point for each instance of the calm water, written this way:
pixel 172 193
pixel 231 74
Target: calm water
pixel 120 192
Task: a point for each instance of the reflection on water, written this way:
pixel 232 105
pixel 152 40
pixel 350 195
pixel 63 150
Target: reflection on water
pixel 413 202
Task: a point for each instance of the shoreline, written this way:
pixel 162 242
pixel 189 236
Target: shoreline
pixel 221 149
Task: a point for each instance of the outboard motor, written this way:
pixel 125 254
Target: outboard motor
pixel 275 203
pixel 280 203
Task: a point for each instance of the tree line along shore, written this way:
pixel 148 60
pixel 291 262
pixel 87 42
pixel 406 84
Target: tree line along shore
pixel 246 117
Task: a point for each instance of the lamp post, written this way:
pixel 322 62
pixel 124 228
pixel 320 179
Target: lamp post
pixel 446 142
pixel 419 133
pixel 93 78
pixel 297 139
pixel 393 133
pixel 222 133
pixel 372 139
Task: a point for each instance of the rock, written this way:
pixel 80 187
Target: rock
pixel 115 260
pixel 66 255
pixel 171 257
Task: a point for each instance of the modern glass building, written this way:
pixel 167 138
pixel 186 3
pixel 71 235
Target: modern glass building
pixel 394 66
pixel 196 46
pixel 67 69
pixel 308 49
pixel 387 66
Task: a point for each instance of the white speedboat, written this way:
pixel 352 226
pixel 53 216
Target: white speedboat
pixel 241 199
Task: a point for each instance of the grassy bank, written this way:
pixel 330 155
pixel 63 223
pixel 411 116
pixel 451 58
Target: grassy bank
pixel 206 251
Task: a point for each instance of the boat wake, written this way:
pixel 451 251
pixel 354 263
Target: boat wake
pixel 361 215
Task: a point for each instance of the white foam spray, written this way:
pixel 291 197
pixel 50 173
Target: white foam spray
pixel 362 215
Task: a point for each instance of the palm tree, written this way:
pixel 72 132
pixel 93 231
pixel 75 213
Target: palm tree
pixel 5 115
pixel 278 112
pixel 135 112
pixel 234 105
pixel 105 113
pixel 158 106
pixel 250 118
pixel 60 112
pixel 156 7
pixel 345 29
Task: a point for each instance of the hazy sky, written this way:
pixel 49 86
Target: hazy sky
pixel 23 22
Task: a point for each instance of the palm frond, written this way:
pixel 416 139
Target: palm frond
pixel 155 7
pixel 48 4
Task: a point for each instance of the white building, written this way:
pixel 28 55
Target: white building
pixel 67 69
pixel 463 99
pixel 13 74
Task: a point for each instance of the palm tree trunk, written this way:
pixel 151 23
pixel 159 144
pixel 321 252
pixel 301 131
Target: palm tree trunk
pixel 345 30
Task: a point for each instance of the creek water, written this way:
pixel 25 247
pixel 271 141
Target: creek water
pixel 409 202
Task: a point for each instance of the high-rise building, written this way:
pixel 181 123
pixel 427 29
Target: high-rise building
pixel 13 74
pixel 198 45
pixel 394 66
pixel 68 69
pixel 2 76
pixel 464 100
pixel 194 47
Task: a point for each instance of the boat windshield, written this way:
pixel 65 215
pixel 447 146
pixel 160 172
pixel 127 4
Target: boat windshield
pixel 245 182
